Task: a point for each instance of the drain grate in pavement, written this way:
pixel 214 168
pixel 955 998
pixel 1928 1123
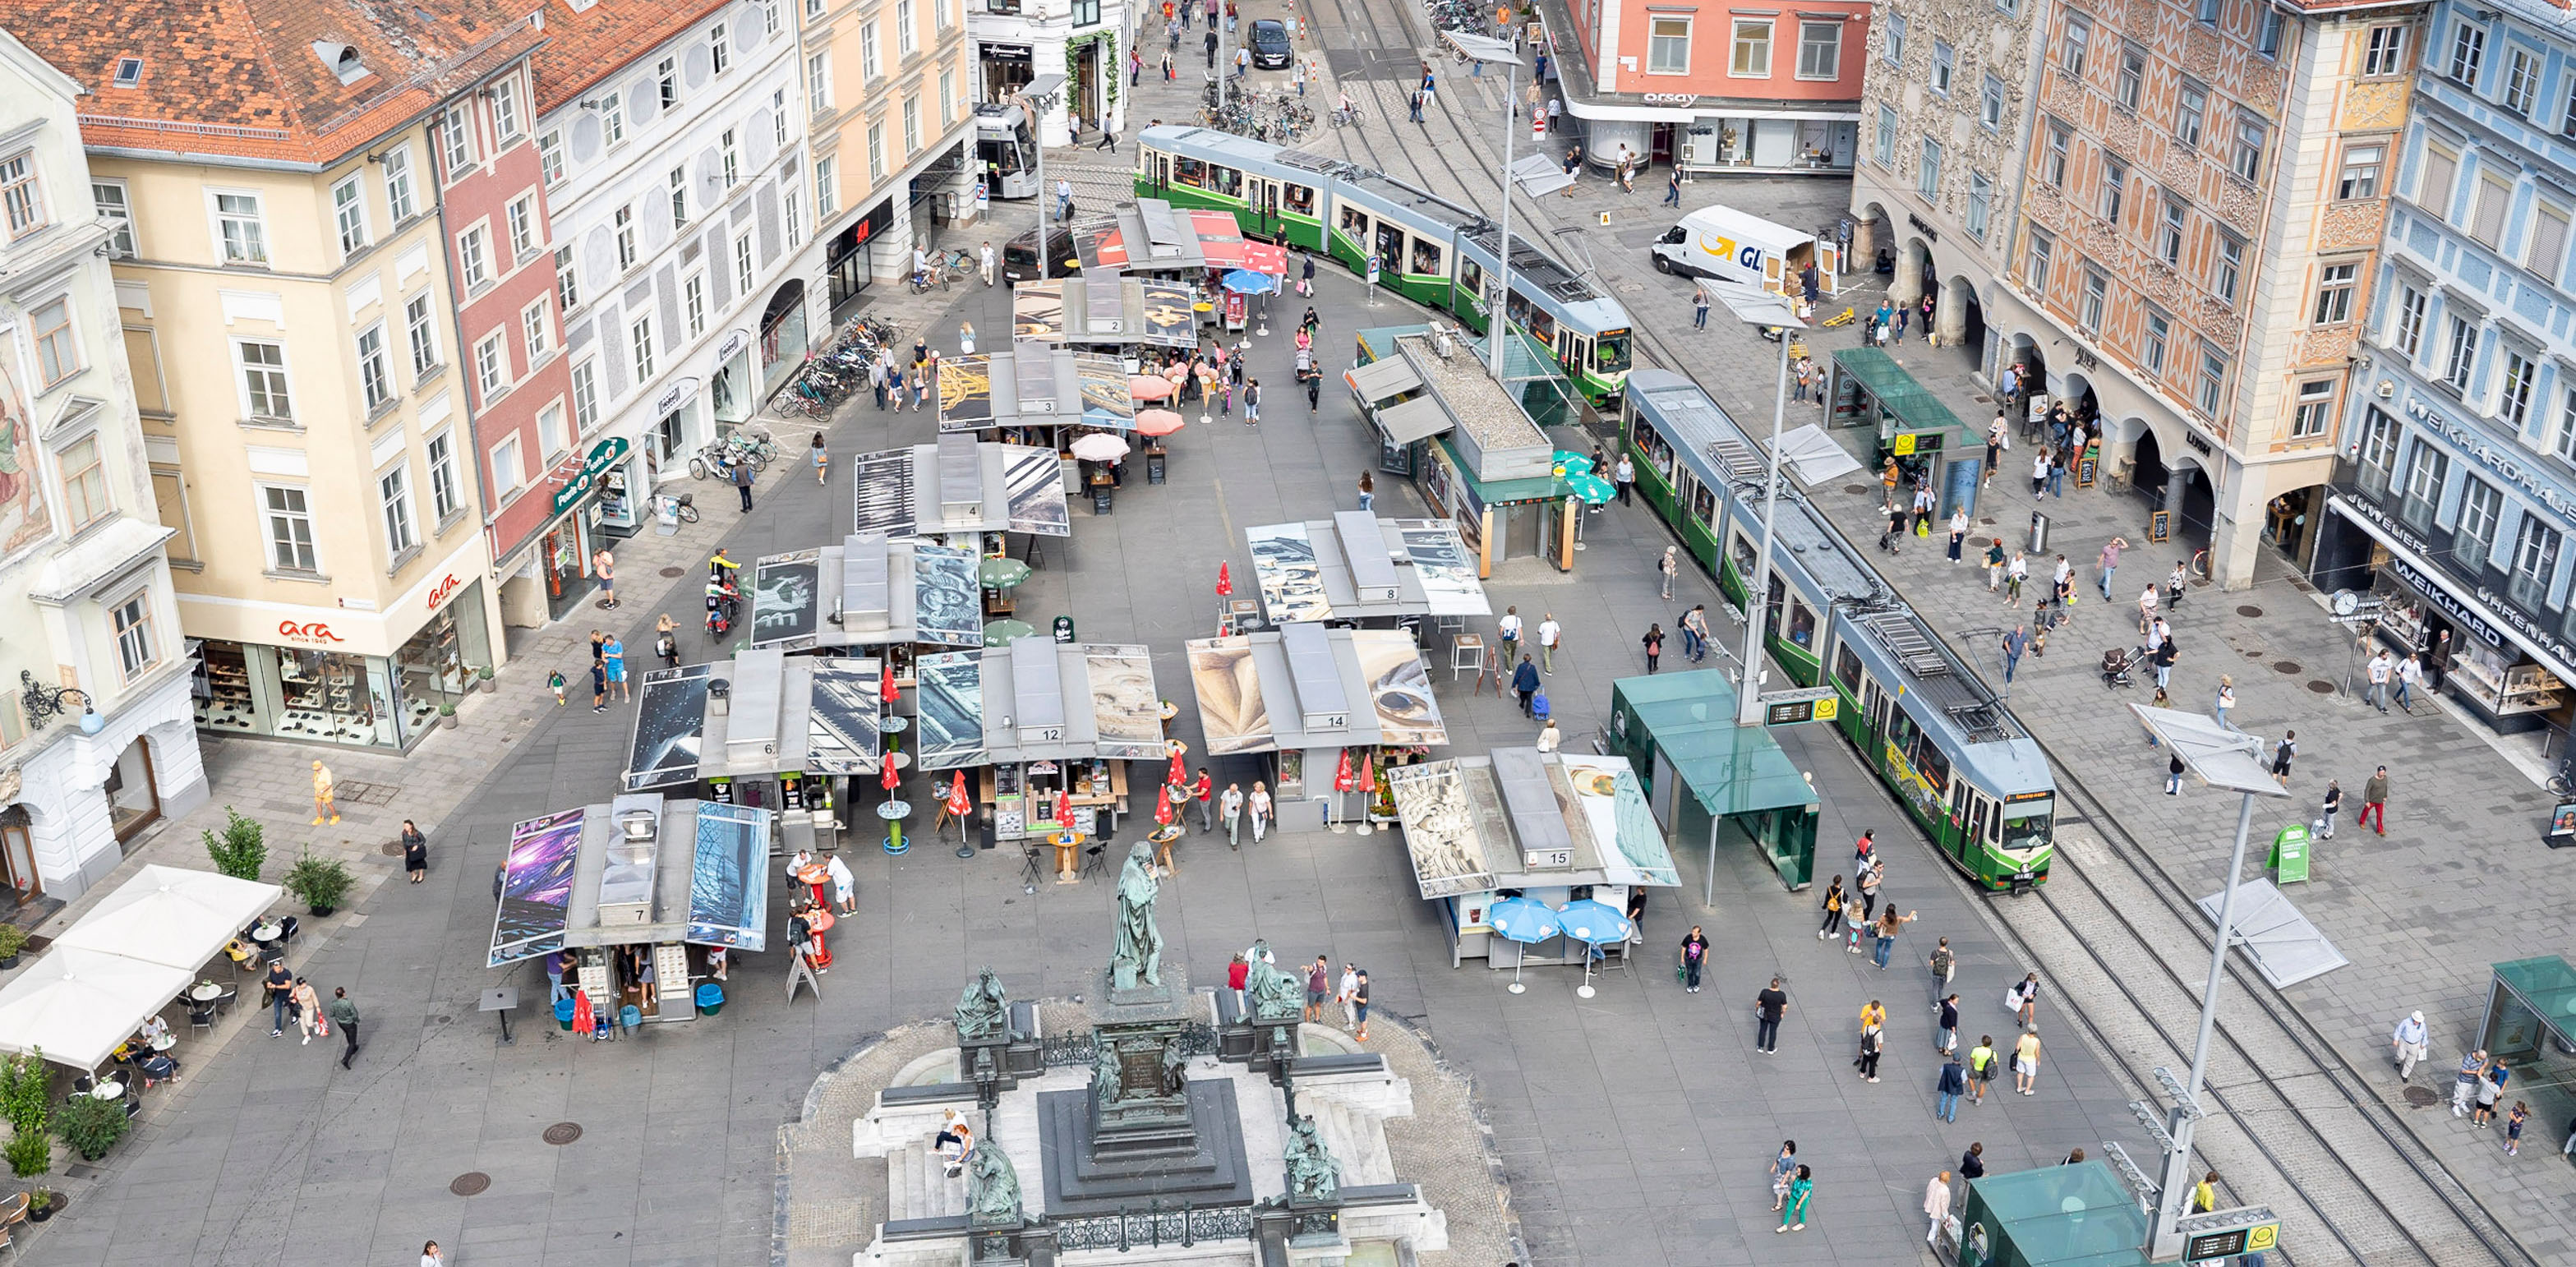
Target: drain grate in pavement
pixel 2249 611
pixel 2321 686
pixel 470 1183
pixel 1849 490
pixel 393 848
pixel 367 793
pixel 677 572
pixel 2416 1097
pixel 566 1132
pixel 2278 666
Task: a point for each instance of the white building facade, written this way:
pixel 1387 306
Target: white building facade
pixel 1018 42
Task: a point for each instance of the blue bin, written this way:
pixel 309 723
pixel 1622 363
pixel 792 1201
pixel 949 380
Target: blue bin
pixel 710 999
pixel 563 1014
pixel 629 1016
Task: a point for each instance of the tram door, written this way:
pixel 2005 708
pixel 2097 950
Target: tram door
pixel 1263 198
pixel 1158 169
pixel 1573 349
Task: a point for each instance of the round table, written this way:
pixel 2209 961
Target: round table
pixel 1066 843
pixel 892 724
pixel 205 992
pixel 267 932
pixel 894 812
pixel 109 1089
pixel 165 1042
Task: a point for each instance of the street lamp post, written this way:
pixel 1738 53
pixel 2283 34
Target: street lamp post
pixel 2233 761
pixel 1040 98
pixel 1760 308
pixel 1485 50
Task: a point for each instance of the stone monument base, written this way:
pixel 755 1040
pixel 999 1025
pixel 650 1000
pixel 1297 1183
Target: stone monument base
pixel 1202 1164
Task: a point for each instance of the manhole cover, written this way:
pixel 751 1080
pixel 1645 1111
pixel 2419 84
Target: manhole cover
pixel 1625 288
pixel 470 1183
pixel 2320 686
pixel 1852 490
pixel 563 1132
pixel 2285 666
pixel 2417 1097
pixel 393 848
pixel 685 571
pixel 2249 611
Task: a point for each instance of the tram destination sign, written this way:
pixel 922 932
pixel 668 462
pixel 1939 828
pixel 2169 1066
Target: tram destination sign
pixel 2228 1233
pixel 1789 708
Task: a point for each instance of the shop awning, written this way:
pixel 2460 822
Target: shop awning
pixel 2284 946
pixel 1814 457
pixel 78 1004
pixel 2457 602
pixel 1382 380
pixel 1521 818
pixel 1356 566
pixel 1417 419
pixel 172 916
pixel 1305 686
pixel 1070 701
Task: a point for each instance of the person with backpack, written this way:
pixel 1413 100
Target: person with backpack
pixel 1981 1068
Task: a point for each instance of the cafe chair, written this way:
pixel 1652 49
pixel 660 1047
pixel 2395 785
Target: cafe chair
pixel 225 1000
pixel 13 1211
pixel 156 1069
pixel 1032 862
pixel 1092 864
pixel 201 1016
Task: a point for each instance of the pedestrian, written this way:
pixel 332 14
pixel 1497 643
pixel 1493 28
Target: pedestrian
pixel 2173 775
pixel 2491 1080
pixel 1064 188
pixel 2014 576
pixel 1949 1025
pixel 1550 739
pixel 742 482
pixel 1889 924
pixel 612 657
pixel 1654 642
pixel 2380 670
pixel 2015 643
pixel 2409 1042
pixel 984 261
pixel 1958 533
pixel 2464 1083
pixel 1994 565
pixel 2410 671
pixel 2026 1063
pixel 599 686
pixel 415 849
pixel 1981 1070
pixel 1873 1040
pixel 1346 992
pixel 605 565
pixel 1525 683
pixel 1944 964
pixel 1672 180
pixel 2282 751
pixel 1794 1218
pixel 2374 802
pixel 430 1255
pixel 1319 983
pixel 2162 659
pixel 2333 805
pixel 1695 632
pixel 1625 476
pixel 1136 68
pixel 2111 563
pixel 2161 700
pixel 666 641
pixel 1833 909
pixel 2225 700
pixel 324 806
pixel 1670 566
pixel 1230 806
pixel 1257 808
pixel 558 964
pixel 1360 1004
pixel 1699 307
pixel 1953 1084
pixel 1872 874
pixel 2038 472
pixel 1203 790
pixel 306 1007
pixel 1368 490
pixel 845 886
pixel 344 1014
pixel 1314 393
pixel 2513 1128
pixel 277 988
pixel 2204 1194
pixel 1549 633
pixel 2027 1006
pixel 1972 1163
pixel 1413 107
pixel 1768 1007
pixel 1998 438
pixel 1784 1168
pixel 1694 957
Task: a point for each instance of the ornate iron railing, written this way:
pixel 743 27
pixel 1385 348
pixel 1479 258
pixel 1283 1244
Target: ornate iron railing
pixel 1079 1049
pixel 1132 1229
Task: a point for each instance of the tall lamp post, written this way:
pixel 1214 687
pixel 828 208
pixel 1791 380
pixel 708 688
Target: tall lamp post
pixel 2233 761
pixel 1757 307
pixel 1486 50
pixel 1037 98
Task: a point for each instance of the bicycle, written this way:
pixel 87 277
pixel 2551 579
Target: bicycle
pixel 2562 781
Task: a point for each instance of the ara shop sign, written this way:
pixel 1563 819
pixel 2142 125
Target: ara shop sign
pixel 311 633
pixel 605 454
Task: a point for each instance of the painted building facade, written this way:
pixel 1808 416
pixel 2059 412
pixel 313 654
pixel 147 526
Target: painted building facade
pixel 1758 89
pixel 2456 496
pixel 1018 42
pixel 889 123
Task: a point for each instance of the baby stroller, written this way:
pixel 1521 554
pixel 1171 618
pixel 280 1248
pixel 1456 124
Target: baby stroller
pixel 2116 665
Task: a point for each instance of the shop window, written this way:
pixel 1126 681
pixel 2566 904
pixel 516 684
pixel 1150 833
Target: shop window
pixel 136 651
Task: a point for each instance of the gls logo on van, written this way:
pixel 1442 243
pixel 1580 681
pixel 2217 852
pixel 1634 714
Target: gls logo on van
pixel 1726 248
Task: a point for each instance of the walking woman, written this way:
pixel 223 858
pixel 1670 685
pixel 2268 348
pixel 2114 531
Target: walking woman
pixel 1694 955
pixel 1784 1168
pixel 1873 1039
pixel 822 460
pixel 666 641
pixel 1260 808
pixel 1833 911
pixel 1794 1217
pixel 1654 643
pixel 415 847
pixel 1368 493
pixel 2026 1005
pixel 2026 1063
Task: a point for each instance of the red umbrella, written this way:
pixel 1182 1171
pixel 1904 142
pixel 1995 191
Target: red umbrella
pixel 1178 776
pixel 1342 775
pixel 1163 805
pixel 892 696
pixel 1224 580
pixel 893 776
pixel 1064 810
pixel 1367 784
pixel 957 802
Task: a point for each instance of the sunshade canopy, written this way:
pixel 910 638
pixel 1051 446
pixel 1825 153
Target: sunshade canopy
pixel 172 916
pixel 78 1004
pixel 1417 419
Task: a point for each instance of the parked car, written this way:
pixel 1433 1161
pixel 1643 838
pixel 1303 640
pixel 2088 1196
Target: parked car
pixel 1020 263
pixel 1270 45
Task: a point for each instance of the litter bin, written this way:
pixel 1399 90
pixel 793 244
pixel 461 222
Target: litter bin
pixel 563 1014
pixel 629 1016
pixel 2038 533
pixel 710 999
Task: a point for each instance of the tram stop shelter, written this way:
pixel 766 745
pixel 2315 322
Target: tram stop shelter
pixel 1105 310
pixel 1707 778
pixel 1052 724
pixel 2530 1024
pixel 2051 1216
pixel 959 488
pixel 1306 697
pixel 1556 827
pixel 1877 410
pixel 766 730
pixel 652 875
pixel 1356 566
pixel 871 590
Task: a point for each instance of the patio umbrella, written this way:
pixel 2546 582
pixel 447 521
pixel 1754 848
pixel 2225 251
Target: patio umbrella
pixel 78 1004
pixel 1224 580
pixel 1368 792
pixel 1246 282
pixel 1149 387
pixel 1001 573
pixel 171 915
pixel 1157 422
pixel 892 771
pixel 1594 490
pixel 1063 810
pixel 1342 776
pixel 1568 462
pixel 1163 805
pixel 1178 776
pixel 886 690
pixel 1595 925
pixel 1001 633
pixel 1525 921
pixel 1100 446
pixel 958 804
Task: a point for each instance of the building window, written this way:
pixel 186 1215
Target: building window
pixel 290 529
pixel 522 215
pixel 729 158
pixel 2426 471
pixel 666 81
pixel 621 223
pixel 2547 249
pixel 2463 356
pixel 907 33
pixel 263 375
pixel 393 490
pixel 2535 561
pixel 2267 31
pixel 85 500
pixel 135 651
pixel 679 186
pixel 827 185
pixel 57 346
pixel 2097 291
pixel 868 65
pixel 911 124
pixel 537 330
pixel 791 212
pixel 612 119
pixel 2159 335
pixel 2513 395
pixel 375 375
pixel 567 280
pixel 456 140
pixel 947 94
pixel 237 226
pixel 2566 440
pixel 2360 178
pixel 585 397
pixel 720 47
pixel 2079 42
pixel 550 159
pixel 492 365
pixel 2133 76
pixel 2378 452
pixel 2486 219
pixel 1885 149
pixel 640 336
pixel 1927 178
pixel 1752 48
pixel 2246 160
pixel 742 275
pixel 2481 512
pixel 2386 52
pixel 1990 108
pixel 444 496
pixel 108 196
pixel 2568 120
pixel 1945 65
pixel 1894 49
pixel 2052 160
pixel 818 84
pixel 2213 381
pixel 1820 50
pixel 2230 267
pixel 2468 49
pixel 21 195
pixel 2115 187
pixel 2314 415
pixel 2406 335
pixel 2037 269
pixel 1085 12
pixel 551 436
pixel 507 473
pixel 778 116
pixel 2169 222
pixel 2334 293
pixel 693 304
pixel 505 110
pixel 1668 46
pixel 472 260
pixel 876 151
pixel 349 212
pixel 1981 198
pixel 2209 11
pixel 2521 81
pixel 421 330
pixel 2191 112
pixel 2433 184
pixel 398 191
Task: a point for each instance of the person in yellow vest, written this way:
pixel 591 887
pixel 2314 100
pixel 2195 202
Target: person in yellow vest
pixel 322 806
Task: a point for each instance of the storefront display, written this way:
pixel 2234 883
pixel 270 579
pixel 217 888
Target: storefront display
pixel 315 695
pixel 563 559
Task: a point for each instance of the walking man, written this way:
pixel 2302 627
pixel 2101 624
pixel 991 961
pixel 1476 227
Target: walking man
pixel 2015 643
pixel 2409 672
pixel 2374 801
pixel 1672 179
pixel 1670 566
pixel 1768 1007
pixel 322 795
pixel 984 257
pixel 1626 476
pixel 1981 1068
pixel 2466 1085
pixel 2410 1044
pixel 605 564
pixel 1203 790
pixel 1525 683
pixel 1699 308
pixel 2382 668
pixel 1944 962
pixel 742 482
pixel 1319 980
pixel 1231 807
pixel 1953 1084
pixel 344 1014
pixel 1548 634
pixel 2111 563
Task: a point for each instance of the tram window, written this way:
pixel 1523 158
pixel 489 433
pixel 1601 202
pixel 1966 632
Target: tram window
pixel 1226 180
pixel 1426 258
pixel 1539 323
pixel 1610 351
pixel 1901 733
pixel 1191 172
pixel 1929 762
pixel 1390 247
pixel 1517 308
pixel 1744 557
pixel 1847 667
pixel 1301 199
pixel 1651 445
pixel 1802 625
pixel 2026 825
pixel 1471 277
pixel 1703 503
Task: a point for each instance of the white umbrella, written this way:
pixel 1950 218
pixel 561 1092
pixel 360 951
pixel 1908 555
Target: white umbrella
pixel 172 916
pixel 1100 446
pixel 79 1004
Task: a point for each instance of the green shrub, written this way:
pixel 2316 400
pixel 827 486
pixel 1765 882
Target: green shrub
pixel 92 1126
pixel 12 940
pixel 239 852
pixel 320 882
pixel 30 1153
pixel 26 1090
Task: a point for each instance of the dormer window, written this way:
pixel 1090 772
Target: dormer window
pixel 129 72
pixel 342 60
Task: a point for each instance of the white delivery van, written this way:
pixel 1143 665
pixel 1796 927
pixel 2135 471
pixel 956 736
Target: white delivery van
pixel 1721 242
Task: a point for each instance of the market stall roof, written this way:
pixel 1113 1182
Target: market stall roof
pixel 1150 235
pixel 1035 384
pixel 1103 307
pixel 960 485
pixel 1070 701
pixel 77 1004
pixel 1305 686
pixel 1729 769
pixel 763 712
pixel 1382 380
pixel 1356 566
pixel 652 870
pixel 172 916
pixel 948 695
pixel 1409 420
pixel 1522 818
pixel 869 591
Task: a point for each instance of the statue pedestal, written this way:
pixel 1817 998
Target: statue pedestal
pixel 1200 1163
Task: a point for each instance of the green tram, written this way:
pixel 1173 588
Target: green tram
pixel 1426 248
pixel 1972 779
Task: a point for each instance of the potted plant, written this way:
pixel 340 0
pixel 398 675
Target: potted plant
pixel 447 712
pixel 43 1203
pixel 30 1153
pixel 12 940
pixel 240 852
pixel 483 676
pixel 320 882
pixel 91 1125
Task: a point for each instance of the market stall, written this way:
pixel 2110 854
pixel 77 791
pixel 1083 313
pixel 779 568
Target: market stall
pixel 1052 726
pixel 765 730
pixel 958 489
pixel 870 591
pixel 1327 711
pixel 1356 566
pixel 649 894
pixel 1028 393
pixel 1151 238
pixel 1552 827
pixel 1105 312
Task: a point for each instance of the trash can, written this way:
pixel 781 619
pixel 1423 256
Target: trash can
pixel 2038 533
pixel 629 1016
pixel 1064 628
pixel 710 999
pixel 563 1014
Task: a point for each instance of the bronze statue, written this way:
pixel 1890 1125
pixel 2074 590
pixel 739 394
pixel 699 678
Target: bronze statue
pixel 1137 951
pixel 992 1186
pixel 1104 1072
pixel 1275 994
pixel 1176 1079
pixel 983 1010
pixel 1313 1174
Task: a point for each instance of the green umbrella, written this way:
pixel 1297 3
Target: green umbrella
pixel 1000 632
pixel 1568 462
pixel 1001 574
pixel 1594 490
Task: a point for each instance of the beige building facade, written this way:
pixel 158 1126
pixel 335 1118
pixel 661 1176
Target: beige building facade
pixel 888 90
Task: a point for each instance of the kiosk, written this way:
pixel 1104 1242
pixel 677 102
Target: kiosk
pixel 763 730
pixel 957 489
pixel 1310 698
pixel 1052 724
pixel 1358 568
pixel 870 591
pixel 1877 411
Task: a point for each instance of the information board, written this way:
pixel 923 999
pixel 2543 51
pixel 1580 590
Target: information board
pixel 2290 855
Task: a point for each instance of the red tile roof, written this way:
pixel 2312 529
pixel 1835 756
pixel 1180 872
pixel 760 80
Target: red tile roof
pixel 586 47
pixel 240 78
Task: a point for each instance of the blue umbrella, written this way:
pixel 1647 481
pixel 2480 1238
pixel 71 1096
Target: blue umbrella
pixel 1595 925
pixel 1245 281
pixel 1525 921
